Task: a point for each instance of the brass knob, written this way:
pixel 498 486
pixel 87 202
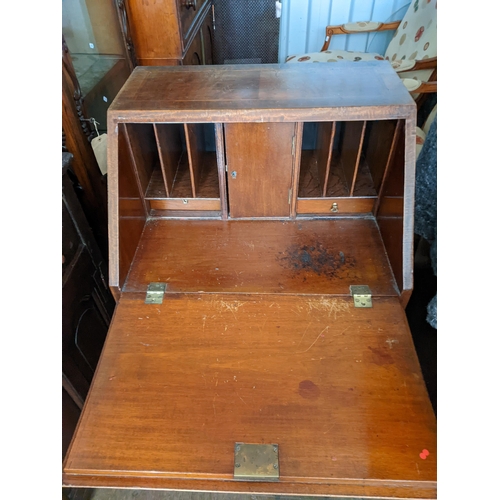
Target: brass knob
pixel 335 208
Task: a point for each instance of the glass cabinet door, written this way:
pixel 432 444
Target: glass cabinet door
pixel 93 35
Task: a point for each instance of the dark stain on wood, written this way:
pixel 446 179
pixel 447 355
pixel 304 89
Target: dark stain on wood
pixel 309 390
pixel 380 356
pixel 315 258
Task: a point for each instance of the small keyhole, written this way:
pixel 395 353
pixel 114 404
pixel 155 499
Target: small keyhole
pixel 233 174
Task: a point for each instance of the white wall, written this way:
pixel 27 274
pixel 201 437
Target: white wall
pixel 303 24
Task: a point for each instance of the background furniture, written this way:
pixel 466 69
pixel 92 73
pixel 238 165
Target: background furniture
pixel 412 51
pixel 87 303
pixel 171 32
pixel 232 255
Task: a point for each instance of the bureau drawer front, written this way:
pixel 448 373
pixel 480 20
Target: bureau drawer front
pixel 329 206
pixel 189 15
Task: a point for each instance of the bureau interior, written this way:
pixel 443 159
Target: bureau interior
pixel 334 168
pixel 352 171
pixel 174 165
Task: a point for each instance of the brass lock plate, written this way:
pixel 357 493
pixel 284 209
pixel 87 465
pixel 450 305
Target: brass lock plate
pixel 256 462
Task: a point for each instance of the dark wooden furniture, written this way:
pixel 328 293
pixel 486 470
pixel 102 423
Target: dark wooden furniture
pixel 258 240
pixel 87 303
pixel 171 32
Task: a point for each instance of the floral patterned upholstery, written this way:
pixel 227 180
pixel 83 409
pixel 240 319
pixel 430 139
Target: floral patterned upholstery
pixel 414 39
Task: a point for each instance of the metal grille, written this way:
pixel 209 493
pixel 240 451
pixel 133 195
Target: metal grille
pixel 246 32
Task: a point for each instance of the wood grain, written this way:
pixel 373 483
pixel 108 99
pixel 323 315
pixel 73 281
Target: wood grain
pixel 380 140
pixel 237 93
pixel 350 151
pixel 397 194
pixel 155 29
pixel 265 256
pixel 131 211
pixel 338 388
pixel 186 204
pixel 194 145
pixel 221 167
pixel 260 166
pixel 143 151
pixel 345 205
pixel 323 153
pixel 169 145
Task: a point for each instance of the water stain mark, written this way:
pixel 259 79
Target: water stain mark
pixel 317 259
pixel 309 390
pixel 381 357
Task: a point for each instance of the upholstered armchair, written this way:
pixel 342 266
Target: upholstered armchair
pixel 412 51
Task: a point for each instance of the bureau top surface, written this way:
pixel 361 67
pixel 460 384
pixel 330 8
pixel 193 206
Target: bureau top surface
pixel 284 92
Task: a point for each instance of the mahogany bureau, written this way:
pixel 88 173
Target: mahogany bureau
pixel 261 255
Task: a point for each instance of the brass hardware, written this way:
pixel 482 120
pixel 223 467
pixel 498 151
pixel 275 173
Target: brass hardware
pixel 233 174
pixel 155 292
pixel 256 462
pixel 335 208
pixel 362 295
pixel 184 200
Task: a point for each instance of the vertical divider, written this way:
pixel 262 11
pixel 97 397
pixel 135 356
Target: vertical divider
pixel 194 146
pixel 324 150
pixel 297 155
pixel 350 154
pixel 358 158
pixel 131 140
pixel 169 146
pixel 390 159
pixel 221 168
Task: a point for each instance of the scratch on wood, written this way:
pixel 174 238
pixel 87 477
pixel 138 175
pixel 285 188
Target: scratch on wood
pixel 326 328
pixel 320 334
pixel 147 345
pixel 261 327
pixel 238 394
pixel 307 327
pixel 331 306
pixel 223 306
pixel 213 404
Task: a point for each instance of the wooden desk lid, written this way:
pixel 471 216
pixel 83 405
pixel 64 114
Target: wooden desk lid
pixel 339 389
pixel 184 91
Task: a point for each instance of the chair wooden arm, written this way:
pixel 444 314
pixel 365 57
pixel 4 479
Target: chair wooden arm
pixel 430 63
pixel 426 88
pixel 342 30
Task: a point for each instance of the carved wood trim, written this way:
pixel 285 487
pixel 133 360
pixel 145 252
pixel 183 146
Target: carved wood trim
pixel 77 91
pixel 127 38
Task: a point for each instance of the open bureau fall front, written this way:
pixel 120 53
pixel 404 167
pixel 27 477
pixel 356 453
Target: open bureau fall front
pixel 246 204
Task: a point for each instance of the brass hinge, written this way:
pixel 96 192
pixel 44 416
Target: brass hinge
pixel 155 292
pixel 256 462
pixel 362 295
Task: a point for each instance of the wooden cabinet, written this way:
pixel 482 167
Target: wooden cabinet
pixel 87 303
pixel 256 199
pixel 171 32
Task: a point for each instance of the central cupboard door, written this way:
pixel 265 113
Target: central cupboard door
pixel 259 166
